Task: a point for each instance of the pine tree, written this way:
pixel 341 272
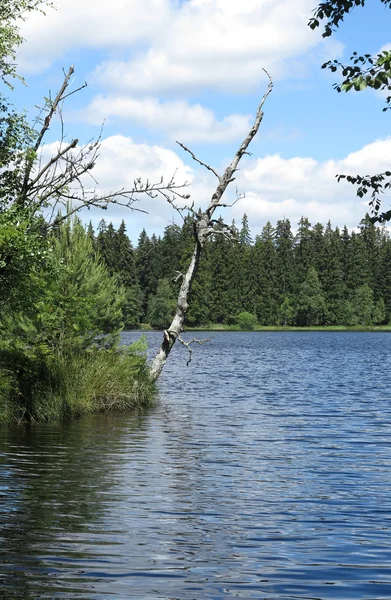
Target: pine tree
pixel 317 247
pixel 125 264
pixel 386 278
pixel 356 273
pixel 332 276
pixel 363 305
pixel 311 304
pixel 244 233
pixel 267 301
pixel 144 268
pixel 304 248
pixel 284 243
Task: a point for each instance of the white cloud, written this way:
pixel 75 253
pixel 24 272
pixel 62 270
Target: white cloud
pixel 276 187
pixel 121 161
pixel 93 24
pixel 165 45
pixel 179 120
pixel 218 44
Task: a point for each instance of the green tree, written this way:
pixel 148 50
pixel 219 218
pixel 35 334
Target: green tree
pixel 225 302
pixel 364 70
pixel 379 312
pixel 386 278
pixel 363 305
pixel 357 266
pixel 284 243
pixel 246 320
pixel 304 248
pixel 311 304
pixel 286 312
pixel 244 233
pixel 267 302
pixel 332 276
pixel 12 13
pixel 76 300
pixel 161 306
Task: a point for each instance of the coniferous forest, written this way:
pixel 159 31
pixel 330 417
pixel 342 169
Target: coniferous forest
pixel 285 275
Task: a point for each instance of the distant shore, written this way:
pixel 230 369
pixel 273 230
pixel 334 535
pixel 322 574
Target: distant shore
pixel 221 327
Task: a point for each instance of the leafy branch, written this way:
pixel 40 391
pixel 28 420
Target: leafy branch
pixel 364 71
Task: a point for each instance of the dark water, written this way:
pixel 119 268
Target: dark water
pixel 264 472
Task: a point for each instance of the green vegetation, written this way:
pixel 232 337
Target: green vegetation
pixel 59 352
pixel 364 71
pixel 222 327
pixel 319 276
pixel 246 320
pixel 161 306
pixel 61 307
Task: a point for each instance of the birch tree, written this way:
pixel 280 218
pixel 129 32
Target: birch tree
pixel 205 226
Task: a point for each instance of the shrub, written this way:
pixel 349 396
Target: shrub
pixel 7 387
pixel 246 320
pixel 60 386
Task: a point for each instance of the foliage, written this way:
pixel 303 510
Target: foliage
pixel 56 361
pixel 310 303
pixel 75 299
pixel 334 11
pixel 161 306
pixel 286 312
pixel 364 70
pixel 11 13
pixel 246 320
pixel 379 312
pixel 61 386
pixel 363 305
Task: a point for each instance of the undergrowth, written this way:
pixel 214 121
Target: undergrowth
pixel 64 386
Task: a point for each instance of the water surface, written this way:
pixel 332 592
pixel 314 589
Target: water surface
pixel 263 472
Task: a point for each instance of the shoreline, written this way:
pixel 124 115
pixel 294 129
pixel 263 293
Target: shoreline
pixel 221 327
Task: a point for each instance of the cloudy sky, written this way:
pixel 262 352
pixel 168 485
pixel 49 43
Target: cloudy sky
pixel 191 70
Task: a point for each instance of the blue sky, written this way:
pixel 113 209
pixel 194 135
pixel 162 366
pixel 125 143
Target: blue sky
pixel 161 70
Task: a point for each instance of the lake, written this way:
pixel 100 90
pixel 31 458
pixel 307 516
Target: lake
pixel 264 471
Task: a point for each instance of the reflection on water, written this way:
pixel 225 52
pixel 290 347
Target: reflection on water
pixel 263 472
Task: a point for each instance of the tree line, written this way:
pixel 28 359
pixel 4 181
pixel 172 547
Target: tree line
pixel 315 275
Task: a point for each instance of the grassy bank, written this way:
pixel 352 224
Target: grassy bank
pixel 221 327
pixel 55 386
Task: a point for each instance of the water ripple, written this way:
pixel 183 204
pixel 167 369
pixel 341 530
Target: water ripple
pixel 263 472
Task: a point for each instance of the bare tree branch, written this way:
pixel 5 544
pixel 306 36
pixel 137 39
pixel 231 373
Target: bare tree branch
pixel 203 229
pixel 62 181
pixel 198 160
pixel 188 345
pixel 52 161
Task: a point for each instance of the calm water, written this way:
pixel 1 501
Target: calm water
pixel 263 472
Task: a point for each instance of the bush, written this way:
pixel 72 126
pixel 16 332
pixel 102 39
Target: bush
pixel 7 387
pixel 60 386
pixel 246 320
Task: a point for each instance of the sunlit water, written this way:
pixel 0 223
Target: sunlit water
pixel 263 472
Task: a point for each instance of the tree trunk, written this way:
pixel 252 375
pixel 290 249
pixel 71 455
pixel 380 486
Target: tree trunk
pixel 176 327
pixel 204 227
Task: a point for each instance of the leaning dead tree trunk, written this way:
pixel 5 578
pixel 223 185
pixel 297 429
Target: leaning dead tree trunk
pixel 204 227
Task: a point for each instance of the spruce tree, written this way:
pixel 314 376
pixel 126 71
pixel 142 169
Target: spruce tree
pixel 304 248
pixel 332 276
pixel 311 303
pixel 267 301
pixel 284 243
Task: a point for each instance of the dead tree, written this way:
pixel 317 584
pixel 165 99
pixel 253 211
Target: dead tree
pixel 204 227
pixel 64 184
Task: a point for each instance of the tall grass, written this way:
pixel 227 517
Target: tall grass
pixel 7 406
pixel 65 386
